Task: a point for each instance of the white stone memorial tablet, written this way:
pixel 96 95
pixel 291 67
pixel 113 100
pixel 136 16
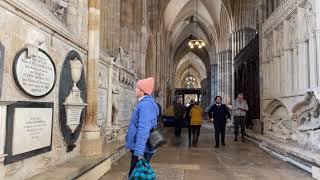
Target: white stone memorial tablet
pixel 35 75
pixel 31 129
pixel 102 103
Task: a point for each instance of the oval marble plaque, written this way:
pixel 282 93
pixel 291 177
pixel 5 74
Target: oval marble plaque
pixel 34 76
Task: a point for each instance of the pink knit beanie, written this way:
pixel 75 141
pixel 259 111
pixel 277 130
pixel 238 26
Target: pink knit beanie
pixel 146 85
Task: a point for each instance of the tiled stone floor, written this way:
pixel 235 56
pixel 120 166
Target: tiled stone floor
pixel 235 161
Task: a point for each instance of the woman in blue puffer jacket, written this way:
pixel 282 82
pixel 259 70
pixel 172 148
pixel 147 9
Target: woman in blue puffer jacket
pixel 143 119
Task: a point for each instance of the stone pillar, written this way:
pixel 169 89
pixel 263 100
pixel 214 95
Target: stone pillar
pixel 278 75
pixel 214 82
pixel 91 143
pixel 295 72
pixel 275 77
pixel 287 58
pixel 233 44
pixel 312 61
pixel 316 34
pixel 109 106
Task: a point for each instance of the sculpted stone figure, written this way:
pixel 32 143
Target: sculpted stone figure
pixel 124 58
pixel 115 96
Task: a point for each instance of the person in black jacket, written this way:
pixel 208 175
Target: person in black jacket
pixel 219 114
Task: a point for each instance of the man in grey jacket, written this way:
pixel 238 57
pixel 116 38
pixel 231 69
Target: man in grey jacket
pixel 239 112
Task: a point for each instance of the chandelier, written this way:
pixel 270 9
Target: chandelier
pixel 196 43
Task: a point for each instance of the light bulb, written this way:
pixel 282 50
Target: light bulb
pixel 200 46
pixel 203 44
pixel 190 43
pixel 191 47
pixel 197 42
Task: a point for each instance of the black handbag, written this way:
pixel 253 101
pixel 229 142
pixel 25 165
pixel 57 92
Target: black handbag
pixel 156 138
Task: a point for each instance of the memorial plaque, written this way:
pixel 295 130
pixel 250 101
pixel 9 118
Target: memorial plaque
pixel 1 65
pixel 29 130
pixel 66 83
pixel 35 75
pixel 102 103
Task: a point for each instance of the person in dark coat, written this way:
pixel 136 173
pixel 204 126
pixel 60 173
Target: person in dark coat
pixel 219 114
pixel 188 119
pixel 179 111
pixel 160 120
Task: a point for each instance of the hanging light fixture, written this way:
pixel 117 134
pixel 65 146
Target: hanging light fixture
pixel 196 43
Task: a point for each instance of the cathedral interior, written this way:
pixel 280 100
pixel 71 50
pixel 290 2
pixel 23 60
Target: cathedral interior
pixel 68 73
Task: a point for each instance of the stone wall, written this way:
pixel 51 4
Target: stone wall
pixel 30 22
pixel 290 73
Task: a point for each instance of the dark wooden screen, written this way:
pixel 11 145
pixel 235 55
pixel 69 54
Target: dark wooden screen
pixel 246 73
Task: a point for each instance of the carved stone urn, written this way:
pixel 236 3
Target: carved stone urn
pixel 74 103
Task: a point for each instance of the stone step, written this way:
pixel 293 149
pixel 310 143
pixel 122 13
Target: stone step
pixel 81 167
pixel 291 150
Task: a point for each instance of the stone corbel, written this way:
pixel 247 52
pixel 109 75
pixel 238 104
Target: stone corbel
pixel 61 9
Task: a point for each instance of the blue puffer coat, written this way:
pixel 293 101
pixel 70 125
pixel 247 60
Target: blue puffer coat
pixel 143 119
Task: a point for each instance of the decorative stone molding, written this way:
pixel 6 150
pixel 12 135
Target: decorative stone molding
pixel 50 23
pixel 286 9
pixel 307 131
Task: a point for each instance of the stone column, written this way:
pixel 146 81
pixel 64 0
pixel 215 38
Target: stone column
pixel 302 53
pixel 91 143
pixel 109 106
pixel 312 61
pixel 278 75
pixel 214 82
pixel 287 58
pixel 233 44
pixel 275 77
pixel 316 34
pixel 295 70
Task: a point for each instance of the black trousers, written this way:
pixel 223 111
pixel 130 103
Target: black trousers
pixel 189 132
pixel 134 161
pixel 219 129
pixel 195 129
pixel 178 126
pixel 240 121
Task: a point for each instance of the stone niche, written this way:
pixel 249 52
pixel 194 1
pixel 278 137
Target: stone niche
pixel 277 122
pixel 294 122
pixel 35 27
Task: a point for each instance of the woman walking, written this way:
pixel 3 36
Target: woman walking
pixel 143 119
pixel 196 115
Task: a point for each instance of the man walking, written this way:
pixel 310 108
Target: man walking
pixel 219 114
pixel 239 112
pixel 179 111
